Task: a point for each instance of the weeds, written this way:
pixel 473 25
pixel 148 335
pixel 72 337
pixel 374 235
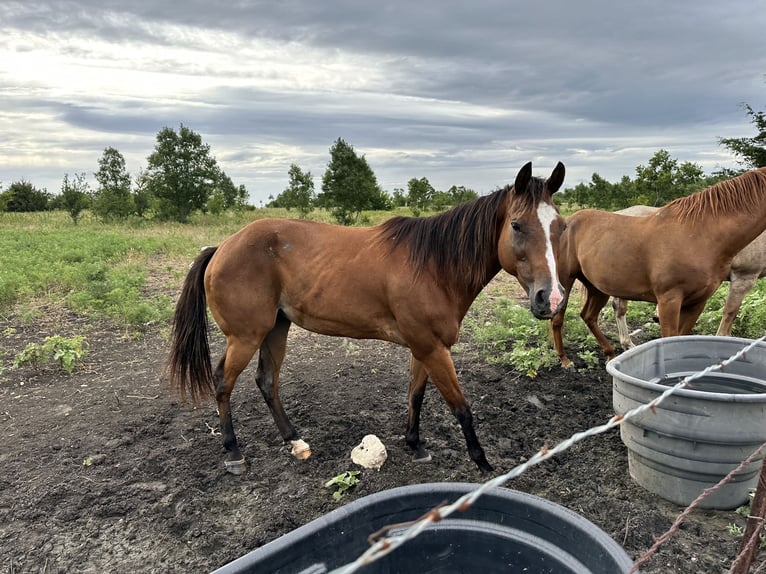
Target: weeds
pixel 67 353
pixel 343 482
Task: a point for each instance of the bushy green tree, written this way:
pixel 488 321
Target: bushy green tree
pixel 299 193
pixel 399 198
pixel 421 194
pixel 349 185
pixel 225 195
pixel 750 151
pixel 23 196
pixel 112 199
pixel 181 174
pixel 461 194
pixel 664 180
pixel 75 195
pixel 142 196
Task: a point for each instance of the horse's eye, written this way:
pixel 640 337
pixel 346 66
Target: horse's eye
pixel 515 226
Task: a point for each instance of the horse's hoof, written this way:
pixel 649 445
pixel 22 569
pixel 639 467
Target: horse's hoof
pixel 421 458
pixel 235 466
pixel 300 450
pixel 485 467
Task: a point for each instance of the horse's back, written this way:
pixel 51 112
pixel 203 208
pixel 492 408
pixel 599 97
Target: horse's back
pixel 328 279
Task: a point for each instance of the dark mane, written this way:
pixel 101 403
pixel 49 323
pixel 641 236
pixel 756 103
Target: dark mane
pixel 741 193
pixel 456 243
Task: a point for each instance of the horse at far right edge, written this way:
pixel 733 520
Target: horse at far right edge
pixel 747 267
pixel 676 257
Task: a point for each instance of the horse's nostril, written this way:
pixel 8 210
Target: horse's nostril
pixel 541 296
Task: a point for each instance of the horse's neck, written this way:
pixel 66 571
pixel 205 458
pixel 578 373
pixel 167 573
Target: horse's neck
pixel 734 233
pixel 730 231
pixel 466 294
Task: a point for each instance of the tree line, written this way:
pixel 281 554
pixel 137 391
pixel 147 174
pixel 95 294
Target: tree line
pixel 183 177
pixel 349 186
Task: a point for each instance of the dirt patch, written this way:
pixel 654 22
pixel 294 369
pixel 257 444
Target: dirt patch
pixel 104 471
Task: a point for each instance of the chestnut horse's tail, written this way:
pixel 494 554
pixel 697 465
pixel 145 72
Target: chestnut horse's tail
pixel 188 367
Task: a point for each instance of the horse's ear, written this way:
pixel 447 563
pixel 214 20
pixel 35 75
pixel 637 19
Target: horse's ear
pixel 557 178
pixel 523 177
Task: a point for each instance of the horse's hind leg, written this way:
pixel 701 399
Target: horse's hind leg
pixel 596 301
pixel 620 307
pixel 739 287
pixel 236 357
pixel 418 381
pixel 267 377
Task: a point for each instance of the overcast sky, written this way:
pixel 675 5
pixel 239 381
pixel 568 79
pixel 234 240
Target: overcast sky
pixel 463 93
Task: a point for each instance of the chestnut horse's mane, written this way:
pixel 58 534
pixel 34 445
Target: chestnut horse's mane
pixel 455 244
pixel 739 194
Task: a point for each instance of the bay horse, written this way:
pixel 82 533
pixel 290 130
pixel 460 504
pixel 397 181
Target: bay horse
pixel 747 267
pixel 676 257
pixel 408 280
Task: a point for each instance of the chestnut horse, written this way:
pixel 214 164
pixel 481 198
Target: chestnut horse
pixel 677 257
pixel 408 280
pixel 747 267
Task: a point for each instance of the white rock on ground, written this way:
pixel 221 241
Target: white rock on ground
pixel 370 453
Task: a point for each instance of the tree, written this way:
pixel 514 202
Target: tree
pixel 421 194
pixel 225 195
pixel 181 174
pixel 349 185
pixel 664 180
pixel 461 194
pixel 299 193
pixel 399 198
pixel 112 199
pixel 23 196
pixel 75 195
pixel 750 151
pixel 142 197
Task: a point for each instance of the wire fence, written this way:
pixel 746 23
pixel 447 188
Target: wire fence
pixel 383 544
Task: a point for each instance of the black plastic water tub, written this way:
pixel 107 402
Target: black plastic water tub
pixel 505 530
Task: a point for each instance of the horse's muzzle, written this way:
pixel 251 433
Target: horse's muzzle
pixel 545 303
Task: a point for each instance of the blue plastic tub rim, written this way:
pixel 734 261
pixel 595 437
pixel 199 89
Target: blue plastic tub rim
pixel 737 343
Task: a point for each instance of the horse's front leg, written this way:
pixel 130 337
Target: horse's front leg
pixel 441 370
pixel 689 316
pixel 557 328
pixel 669 313
pixel 417 389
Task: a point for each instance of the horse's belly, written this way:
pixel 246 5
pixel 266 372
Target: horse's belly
pixel 345 323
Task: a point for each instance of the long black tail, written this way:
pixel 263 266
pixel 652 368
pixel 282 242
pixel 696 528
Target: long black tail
pixel 188 367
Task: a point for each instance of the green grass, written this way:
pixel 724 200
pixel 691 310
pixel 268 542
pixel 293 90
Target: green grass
pixel 125 271
pixel 130 271
pixel 94 268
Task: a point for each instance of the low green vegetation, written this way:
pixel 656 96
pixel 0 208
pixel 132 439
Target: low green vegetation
pixel 507 333
pixel 66 353
pixel 342 483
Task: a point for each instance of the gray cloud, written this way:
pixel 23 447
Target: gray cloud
pixel 459 92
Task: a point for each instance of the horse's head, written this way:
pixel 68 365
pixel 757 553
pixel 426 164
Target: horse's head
pixel 528 246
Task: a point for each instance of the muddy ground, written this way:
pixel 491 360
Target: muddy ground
pixel 104 470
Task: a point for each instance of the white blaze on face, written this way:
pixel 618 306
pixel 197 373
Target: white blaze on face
pixel 547 214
